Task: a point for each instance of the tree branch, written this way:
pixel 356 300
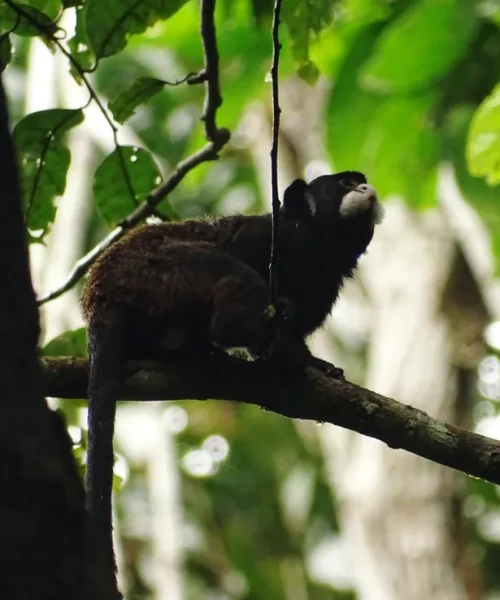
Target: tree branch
pixel 217 139
pixel 273 264
pixel 311 396
pixel 213 98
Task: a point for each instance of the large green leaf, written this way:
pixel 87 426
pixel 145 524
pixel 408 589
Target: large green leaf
pixel 44 162
pixel 5 51
pixel 364 131
pixel 483 144
pixel 305 19
pixel 51 8
pixel 109 24
pixel 484 198
pixel 8 18
pixel 404 163
pixel 350 110
pixel 421 45
pixel 112 194
pixel 142 90
pixel 33 18
pixel 69 343
pixel 79 44
pixel 364 12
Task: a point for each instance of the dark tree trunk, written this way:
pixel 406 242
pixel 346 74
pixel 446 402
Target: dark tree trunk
pixel 42 514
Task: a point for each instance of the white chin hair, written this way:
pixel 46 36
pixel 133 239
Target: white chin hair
pixel 378 213
pixel 361 200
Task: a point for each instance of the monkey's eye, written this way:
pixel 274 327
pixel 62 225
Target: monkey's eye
pixel 349 184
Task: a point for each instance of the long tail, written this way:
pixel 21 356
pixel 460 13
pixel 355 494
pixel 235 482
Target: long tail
pixel 105 379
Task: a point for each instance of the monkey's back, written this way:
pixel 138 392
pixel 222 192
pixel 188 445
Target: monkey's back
pixel 172 277
pixel 130 268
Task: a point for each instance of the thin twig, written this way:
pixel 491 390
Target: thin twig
pixel 273 264
pixel 217 139
pixel 310 396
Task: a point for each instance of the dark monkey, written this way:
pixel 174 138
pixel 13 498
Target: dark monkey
pixel 185 287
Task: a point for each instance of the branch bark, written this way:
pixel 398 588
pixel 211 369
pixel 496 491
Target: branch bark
pixel 303 396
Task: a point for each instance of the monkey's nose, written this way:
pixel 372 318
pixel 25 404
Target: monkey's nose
pixel 367 189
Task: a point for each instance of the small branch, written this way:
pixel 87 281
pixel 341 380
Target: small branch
pixel 217 139
pixel 312 396
pixel 213 98
pixel 273 264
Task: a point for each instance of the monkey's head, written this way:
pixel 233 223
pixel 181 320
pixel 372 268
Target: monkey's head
pixel 342 207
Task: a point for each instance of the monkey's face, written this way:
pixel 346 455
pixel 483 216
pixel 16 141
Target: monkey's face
pixel 344 199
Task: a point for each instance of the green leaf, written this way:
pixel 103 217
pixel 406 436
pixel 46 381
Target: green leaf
pixel 44 162
pixel 406 164
pixel 112 195
pixel 309 72
pixel 69 343
pixel 109 24
pixel 351 110
pixel 8 19
pixel 482 197
pixel 142 90
pixel 80 45
pixel 118 481
pixel 40 18
pixel 79 456
pixel 304 19
pixel 364 12
pixel 5 51
pixel 421 45
pixel 261 9
pixel 50 8
pixel 364 132
pixel 483 144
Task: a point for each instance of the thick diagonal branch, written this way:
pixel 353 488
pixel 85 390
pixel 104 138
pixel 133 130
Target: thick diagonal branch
pixel 311 396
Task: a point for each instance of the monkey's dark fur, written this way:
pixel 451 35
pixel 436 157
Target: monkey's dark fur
pixel 186 286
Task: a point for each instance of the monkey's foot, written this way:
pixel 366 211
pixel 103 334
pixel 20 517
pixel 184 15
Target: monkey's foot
pixel 326 368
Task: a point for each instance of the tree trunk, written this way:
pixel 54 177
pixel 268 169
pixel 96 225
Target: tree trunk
pixel 397 511
pixel 396 508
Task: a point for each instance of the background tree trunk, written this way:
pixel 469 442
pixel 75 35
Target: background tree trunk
pixel 398 513
pixel 396 509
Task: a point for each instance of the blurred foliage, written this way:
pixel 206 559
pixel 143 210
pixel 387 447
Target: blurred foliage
pixel 400 71
pixel 69 343
pixel 239 509
pixel 412 83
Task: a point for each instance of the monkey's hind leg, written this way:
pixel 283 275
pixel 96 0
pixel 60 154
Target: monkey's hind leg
pixel 239 313
pixel 293 353
pixel 231 297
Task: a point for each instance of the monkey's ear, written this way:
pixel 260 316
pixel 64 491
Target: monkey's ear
pixel 298 201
